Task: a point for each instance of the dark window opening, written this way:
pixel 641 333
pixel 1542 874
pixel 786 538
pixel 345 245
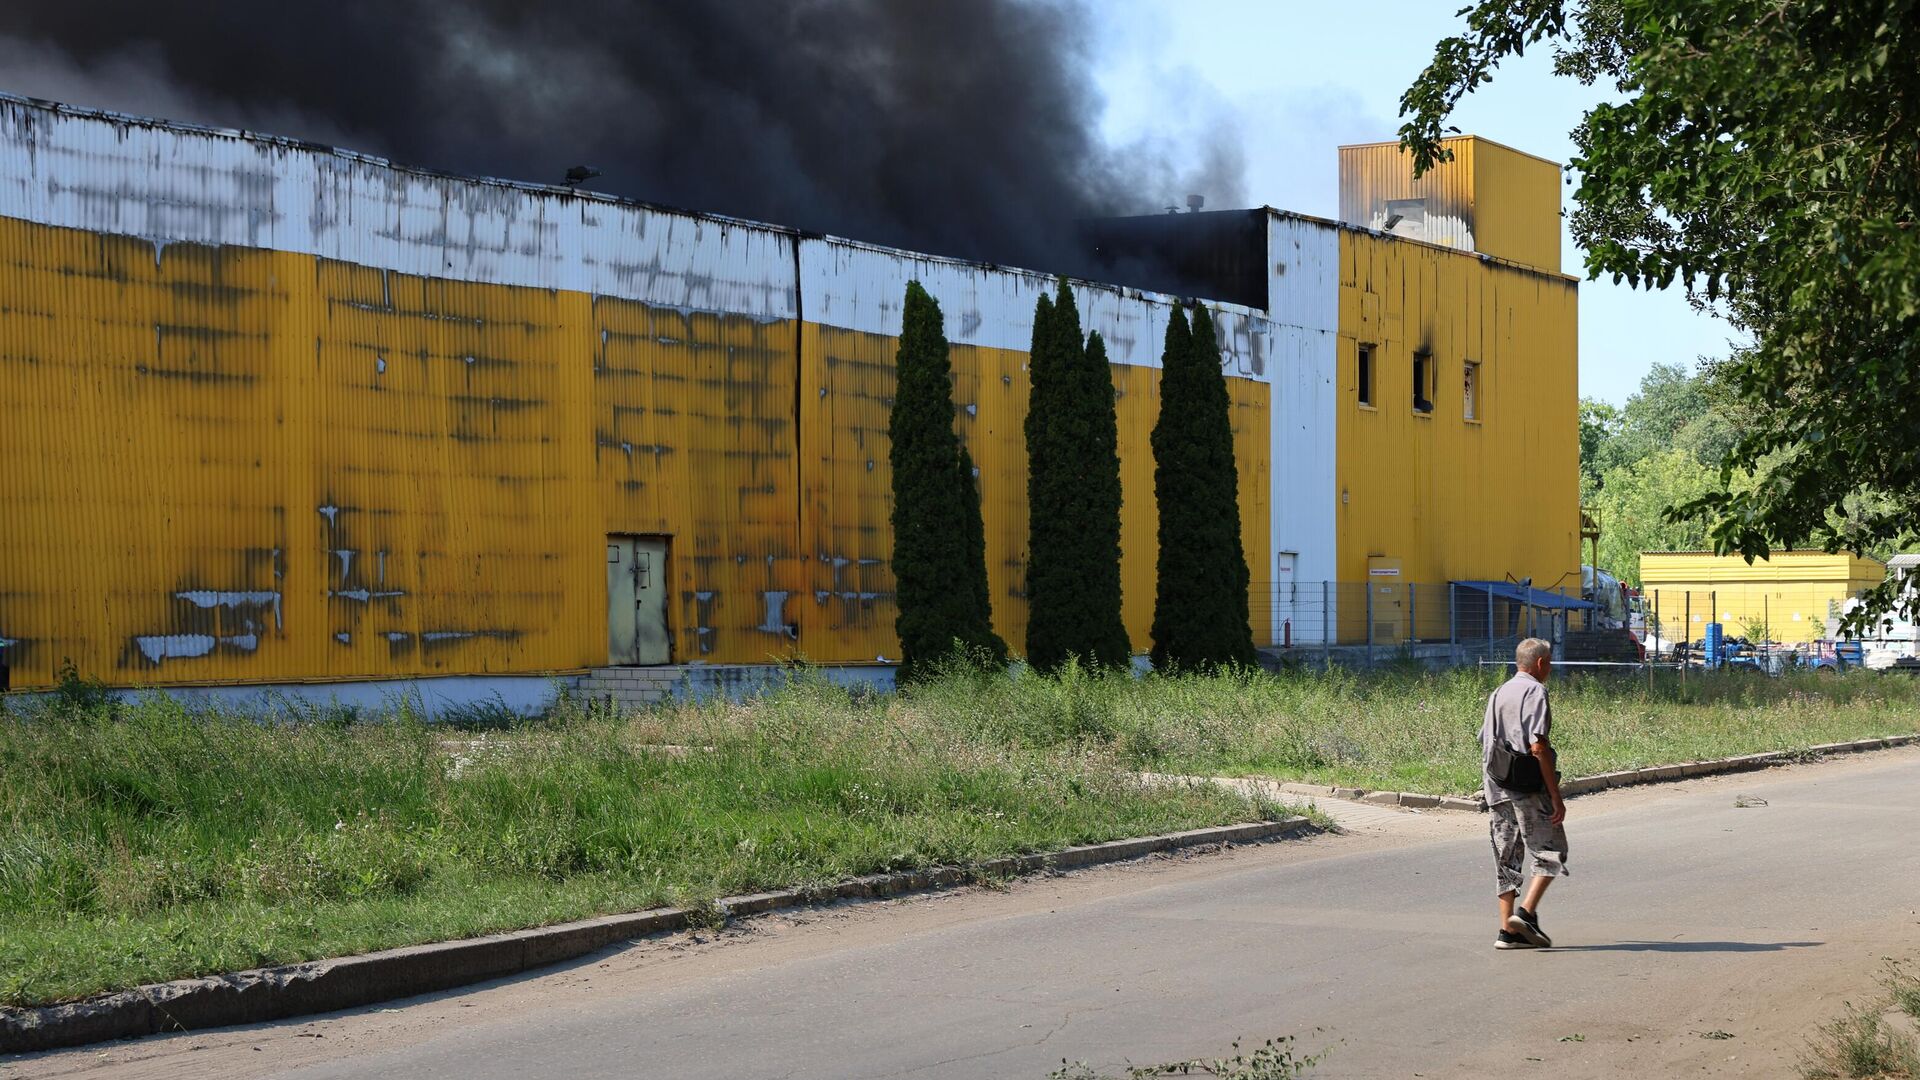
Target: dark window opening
pixel 1422 382
pixel 1364 374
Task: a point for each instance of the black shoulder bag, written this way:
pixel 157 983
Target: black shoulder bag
pixel 1511 769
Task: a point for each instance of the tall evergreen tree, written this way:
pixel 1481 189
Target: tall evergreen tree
pixel 939 542
pixel 1073 495
pixel 1200 601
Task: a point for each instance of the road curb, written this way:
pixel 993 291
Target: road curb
pixel 276 993
pixel 1587 785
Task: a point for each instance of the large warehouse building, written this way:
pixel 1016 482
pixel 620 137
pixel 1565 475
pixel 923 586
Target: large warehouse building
pixel 273 413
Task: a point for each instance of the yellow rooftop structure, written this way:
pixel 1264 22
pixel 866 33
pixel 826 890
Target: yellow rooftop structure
pixel 1491 199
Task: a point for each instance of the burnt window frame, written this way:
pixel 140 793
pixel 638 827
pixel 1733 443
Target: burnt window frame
pixel 1425 367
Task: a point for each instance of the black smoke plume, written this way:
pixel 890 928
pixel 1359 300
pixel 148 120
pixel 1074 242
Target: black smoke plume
pixel 963 127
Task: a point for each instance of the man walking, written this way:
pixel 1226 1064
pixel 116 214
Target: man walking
pixel 1523 794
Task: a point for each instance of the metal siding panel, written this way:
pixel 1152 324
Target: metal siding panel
pixel 1516 206
pixel 1373 174
pixel 851 297
pixel 393 445
pixel 1456 500
pixel 1304 342
pixel 177 184
pixel 694 438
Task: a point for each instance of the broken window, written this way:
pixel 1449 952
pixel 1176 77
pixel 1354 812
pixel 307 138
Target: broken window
pixel 1406 217
pixel 1363 373
pixel 1423 382
pixel 1472 391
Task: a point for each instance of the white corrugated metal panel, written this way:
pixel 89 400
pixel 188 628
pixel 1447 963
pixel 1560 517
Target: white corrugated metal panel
pixel 1303 321
pixel 859 287
pixel 174 183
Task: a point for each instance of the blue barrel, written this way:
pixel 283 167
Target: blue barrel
pixel 1716 651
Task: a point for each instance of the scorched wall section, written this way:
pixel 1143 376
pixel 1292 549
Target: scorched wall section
pixel 276 413
pixel 395 445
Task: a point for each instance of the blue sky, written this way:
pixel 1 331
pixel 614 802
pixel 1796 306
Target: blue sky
pixel 1300 79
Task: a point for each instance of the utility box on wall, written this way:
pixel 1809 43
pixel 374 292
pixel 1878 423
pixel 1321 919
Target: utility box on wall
pixel 1386 600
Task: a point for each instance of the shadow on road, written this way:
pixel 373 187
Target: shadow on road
pixel 1691 946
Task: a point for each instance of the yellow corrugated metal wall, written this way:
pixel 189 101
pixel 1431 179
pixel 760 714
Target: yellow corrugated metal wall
pixel 1516 205
pixel 1790 594
pixel 237 465
pixel 1455 498
pixel 1490 198
pixel 693 438
pixel 1372 174
pixel 847 384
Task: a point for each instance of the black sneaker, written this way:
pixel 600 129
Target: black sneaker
pixel 1512 941
pixel 1525 924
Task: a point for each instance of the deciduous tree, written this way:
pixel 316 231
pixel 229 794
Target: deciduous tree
pixel 1764 155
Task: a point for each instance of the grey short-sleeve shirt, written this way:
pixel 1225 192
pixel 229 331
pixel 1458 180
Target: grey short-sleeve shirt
pixel 1518 715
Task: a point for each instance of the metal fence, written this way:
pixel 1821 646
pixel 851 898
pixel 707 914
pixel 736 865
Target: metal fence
pixel 1786 613
pixel 1392 614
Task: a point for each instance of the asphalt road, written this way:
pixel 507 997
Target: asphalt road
pixel 1686 917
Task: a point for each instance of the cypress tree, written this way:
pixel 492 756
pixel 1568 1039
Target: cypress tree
pixel 1200 600
pixel 976 554
pixel 939 541
pixel 1073 495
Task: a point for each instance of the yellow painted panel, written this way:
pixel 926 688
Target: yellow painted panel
pixel 1455 499
pixel 1490 198
pixel 846 390
pixel 1516 206
pixel 1792 593
pixel 442 488
pixel 235 465
pixel 693 439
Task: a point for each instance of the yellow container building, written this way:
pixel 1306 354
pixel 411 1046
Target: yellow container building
pixel 1787 597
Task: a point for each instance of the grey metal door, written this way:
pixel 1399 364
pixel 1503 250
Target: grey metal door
pixel 637 601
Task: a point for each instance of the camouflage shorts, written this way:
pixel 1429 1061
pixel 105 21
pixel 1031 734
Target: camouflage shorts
pixel 1520 827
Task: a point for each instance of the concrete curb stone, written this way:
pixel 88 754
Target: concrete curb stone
pixel 264 994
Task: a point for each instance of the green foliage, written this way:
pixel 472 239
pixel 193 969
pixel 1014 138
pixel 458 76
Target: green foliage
pixel 1073 496
pixel 939 542
pixel 79 696
pixel 1860 1045
pixel 1760 154
pixel 1200 603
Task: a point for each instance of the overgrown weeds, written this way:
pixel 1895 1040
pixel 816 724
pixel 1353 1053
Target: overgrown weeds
pixel 1867 1043
pixel 1275 1060
pixel 144 841
pixel 1403 728
pixel 1860 1046
pixel 140 840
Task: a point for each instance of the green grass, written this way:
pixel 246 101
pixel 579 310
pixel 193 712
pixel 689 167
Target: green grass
pixel 143 843
pixel 1410 730
pixel 1861 1044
